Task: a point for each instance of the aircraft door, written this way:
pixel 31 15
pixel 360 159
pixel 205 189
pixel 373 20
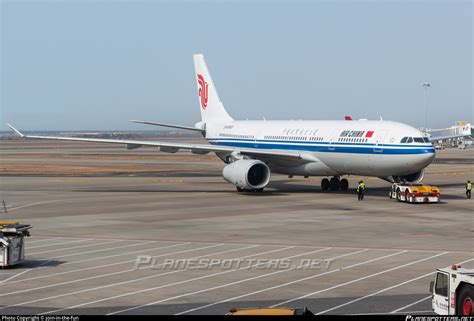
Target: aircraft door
pixel 332 140
pixel 256 138
pixel 379 140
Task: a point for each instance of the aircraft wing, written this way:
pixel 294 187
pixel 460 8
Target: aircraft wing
pixel 174 147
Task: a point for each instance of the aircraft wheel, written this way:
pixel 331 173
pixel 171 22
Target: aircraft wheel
pixel 334 184
pixel 344 184
pixel 324 184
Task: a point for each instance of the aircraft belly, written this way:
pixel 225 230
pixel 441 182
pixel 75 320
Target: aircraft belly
pixel 345 163
pixel 308 169
pixel 331 164
pixel 382 165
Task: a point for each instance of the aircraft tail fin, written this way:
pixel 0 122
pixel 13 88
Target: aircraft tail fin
pixel 212 109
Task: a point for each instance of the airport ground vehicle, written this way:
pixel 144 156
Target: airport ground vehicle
pixel 415 193
pixel 453 291
pixel 12 244
pixel 270 311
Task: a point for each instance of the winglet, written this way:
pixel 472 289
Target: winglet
pixel 16 130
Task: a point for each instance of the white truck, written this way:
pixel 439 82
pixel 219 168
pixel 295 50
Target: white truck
pixel 453 291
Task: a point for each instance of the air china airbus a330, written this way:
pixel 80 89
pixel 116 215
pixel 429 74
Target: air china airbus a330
pixel 252 150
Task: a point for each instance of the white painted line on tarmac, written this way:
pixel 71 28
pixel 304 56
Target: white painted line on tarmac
pixel 101 250
pixel 99 276
pixel 209 289
pixel 34 240
pixel 418 312
pixel 33 204
pixel 419 301
pixel 55 244
pixel 119 283
pixel 259 291
pixel 386 289
pixel 411 304
pixel 74 247
pixel 185 281
pixel 216 287
pixel 97 258
pixel 14 276
pixel 385 313
pixel 356 280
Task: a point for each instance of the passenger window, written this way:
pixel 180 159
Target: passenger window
pixel 441 287
pixel 404 140
pixel 410 140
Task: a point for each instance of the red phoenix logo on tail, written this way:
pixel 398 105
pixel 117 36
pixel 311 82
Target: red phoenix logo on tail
pixel 202 91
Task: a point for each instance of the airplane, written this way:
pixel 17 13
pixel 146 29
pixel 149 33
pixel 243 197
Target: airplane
pixel 253 149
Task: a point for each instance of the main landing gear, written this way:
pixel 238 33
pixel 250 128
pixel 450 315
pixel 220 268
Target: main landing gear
pixel 335 184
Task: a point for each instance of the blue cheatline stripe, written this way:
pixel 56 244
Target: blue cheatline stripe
pixel 316 142
pixel 331 149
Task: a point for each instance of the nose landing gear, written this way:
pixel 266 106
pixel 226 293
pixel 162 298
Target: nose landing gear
pixel 335 184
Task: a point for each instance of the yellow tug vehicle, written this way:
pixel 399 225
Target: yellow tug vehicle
pixel 270 311
pixel 415 193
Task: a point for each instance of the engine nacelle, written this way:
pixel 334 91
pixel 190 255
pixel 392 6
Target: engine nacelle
pixel 412 178
pixel 247 174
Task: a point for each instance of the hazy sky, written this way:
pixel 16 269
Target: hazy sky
pixel 97 64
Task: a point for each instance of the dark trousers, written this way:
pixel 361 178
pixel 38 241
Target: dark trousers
pixel 468 193
pixel 360 195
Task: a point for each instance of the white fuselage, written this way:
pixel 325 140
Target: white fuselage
pixel 362 147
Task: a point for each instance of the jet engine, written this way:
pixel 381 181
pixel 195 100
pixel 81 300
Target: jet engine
pixel 247 174
pixel 412 178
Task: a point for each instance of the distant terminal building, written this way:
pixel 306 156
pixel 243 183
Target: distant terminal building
pixel 460 135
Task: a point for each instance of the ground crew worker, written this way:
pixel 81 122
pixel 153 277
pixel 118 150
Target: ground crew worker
pixel 360 190
pixel 468 189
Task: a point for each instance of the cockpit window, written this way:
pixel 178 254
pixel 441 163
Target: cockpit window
pixel 408 140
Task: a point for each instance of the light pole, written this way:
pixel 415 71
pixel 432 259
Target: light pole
pixel 425 86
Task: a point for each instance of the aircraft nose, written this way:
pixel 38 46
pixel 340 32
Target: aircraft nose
pixel 429 157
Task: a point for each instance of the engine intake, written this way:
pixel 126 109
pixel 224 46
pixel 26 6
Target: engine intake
pixel 412 178
pixel 247 174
